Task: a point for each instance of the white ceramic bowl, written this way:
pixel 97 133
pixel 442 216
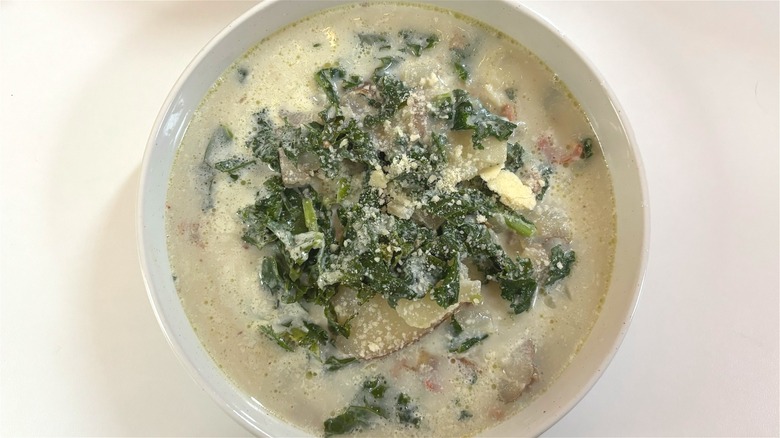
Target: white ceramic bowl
pixel 516 21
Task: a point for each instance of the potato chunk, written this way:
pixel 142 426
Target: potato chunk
pixel 376 329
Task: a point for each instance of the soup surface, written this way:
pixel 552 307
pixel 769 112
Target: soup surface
pixel 390 220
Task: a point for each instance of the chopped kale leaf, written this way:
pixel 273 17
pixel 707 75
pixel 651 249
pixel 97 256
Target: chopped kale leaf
pixel 373 400
pixel 351 82
pixel 393 95
pixel 587 148
pixel 282 339
pixel 441 107
pixel 459 57
pixel 462 345
pixel 417 42
pixel 375 389
pixel 326 79
pixel 406 411
pixel 561 263
pixel 445 293
pixel 455 327
pixel 266 209
pixel 311 337
pixel 231 166
pixel 374 39
pixel 333 323
pixel 469 114
pixel 270 278
pixel 465 201
pixel 263 140
pixel 514 157
pixel 544 173
pixel 333 363
pixel 517 284
pixel 352 419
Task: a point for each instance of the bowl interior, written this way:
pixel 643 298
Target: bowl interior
pixel 514 20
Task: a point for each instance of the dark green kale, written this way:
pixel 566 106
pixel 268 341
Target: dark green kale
pixel 545 173
pixel 373 400
pixel 514 157
pixel 429 159
pixel 332 140
pixel 561 263
pixel 455 328
pixel 446 291
pixel 341 329
pixel 267 208
pixel 460 203
pixel 270 278
pixel 377 277
pixel 263 140
pixel 297 223
pixel 373 390
pixel 333 363
pixel 464 415
pixel 460 343
pixel 416 42
pixel 313 234
pixel 469 114
pixel 480 246
pixel 352 419
pixel 587 148
pixel 393 93
pixel 283 339
pixel 326 78
pixel 517 284
pixel 463 345
pixel 311 337
pixel 374 39
pixel 231 166
pixel 406 411
pixel 386 65
pixel 515 277
pixel 511 93
pixel 351 82
pixel 460 58
pixel 441 107
pixel 407 236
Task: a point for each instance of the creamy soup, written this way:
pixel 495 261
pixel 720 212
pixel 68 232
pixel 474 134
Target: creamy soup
pixel 390 220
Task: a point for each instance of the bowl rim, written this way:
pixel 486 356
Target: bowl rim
pixel 146 258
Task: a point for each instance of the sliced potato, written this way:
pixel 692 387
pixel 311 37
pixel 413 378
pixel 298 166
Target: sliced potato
pixel 376 329
pixel 464 162
pixel 427 313
pixel 519 371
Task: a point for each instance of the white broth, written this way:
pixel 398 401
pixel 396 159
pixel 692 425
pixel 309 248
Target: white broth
pixel 446 370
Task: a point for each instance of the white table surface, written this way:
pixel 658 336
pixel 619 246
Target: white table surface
pixel 81 84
